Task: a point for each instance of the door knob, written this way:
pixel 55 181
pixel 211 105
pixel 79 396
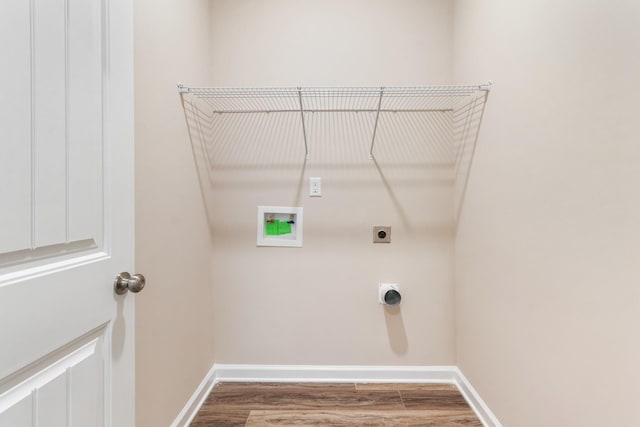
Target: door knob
pixel 125 282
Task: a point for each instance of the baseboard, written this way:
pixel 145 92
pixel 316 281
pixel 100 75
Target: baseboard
pixel 475 401
pixel 193 405
pixel 332 374
pixel 329 374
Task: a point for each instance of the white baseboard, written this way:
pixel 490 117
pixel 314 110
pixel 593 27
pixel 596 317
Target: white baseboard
pixel 332 374
pixel 475 401
pixel 193 405
pixel 329 374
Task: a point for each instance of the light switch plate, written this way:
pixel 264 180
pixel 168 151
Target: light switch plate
pixel 381 234
pixel 315 187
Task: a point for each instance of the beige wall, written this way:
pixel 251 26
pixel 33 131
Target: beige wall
pixel 330 42
pixel 173 319
pixel 547 255
pixel 318 304
pixel 546 259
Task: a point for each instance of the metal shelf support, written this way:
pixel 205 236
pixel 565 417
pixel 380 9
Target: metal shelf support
pixel 375 125
pixel 304 128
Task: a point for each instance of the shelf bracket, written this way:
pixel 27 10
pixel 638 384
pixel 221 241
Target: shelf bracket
pixel 182 88
pixel 375 126
pixel 304 128
pixel 487 86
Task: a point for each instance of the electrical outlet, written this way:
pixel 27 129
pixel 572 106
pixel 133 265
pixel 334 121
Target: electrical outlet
pixel 381 234
pixel 315 187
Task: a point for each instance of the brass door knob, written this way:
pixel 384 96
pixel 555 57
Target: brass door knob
pixel 125 282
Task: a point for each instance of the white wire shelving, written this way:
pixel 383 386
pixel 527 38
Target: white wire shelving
pixel 301 100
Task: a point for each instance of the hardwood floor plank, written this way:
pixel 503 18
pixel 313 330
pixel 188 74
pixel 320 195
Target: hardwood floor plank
pixel 363 418
pixel 270 386
pixel 321 404
pixel 214 417
pixel 405 386
pixel 305 399
pixel 433 399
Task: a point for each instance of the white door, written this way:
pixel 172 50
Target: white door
pixel 66 213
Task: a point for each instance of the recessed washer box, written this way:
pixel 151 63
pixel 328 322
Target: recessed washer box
pixel 279 226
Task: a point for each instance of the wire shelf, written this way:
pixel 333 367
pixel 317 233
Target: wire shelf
pixel 333 99
pixel 302 100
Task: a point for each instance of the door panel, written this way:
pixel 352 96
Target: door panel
pixel 66 213
pixel 66 386
pixel 15 110
pixel 85 122
pixel 54 149
pixel 48 98
pixel 19 414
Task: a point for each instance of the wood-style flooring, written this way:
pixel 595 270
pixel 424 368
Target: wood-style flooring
pixel 321 404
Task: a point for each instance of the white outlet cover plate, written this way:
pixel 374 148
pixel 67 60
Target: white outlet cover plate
pixel 315 187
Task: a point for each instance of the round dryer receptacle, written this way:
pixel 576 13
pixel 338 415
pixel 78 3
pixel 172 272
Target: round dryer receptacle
pixel 392 297
pixel 389 294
